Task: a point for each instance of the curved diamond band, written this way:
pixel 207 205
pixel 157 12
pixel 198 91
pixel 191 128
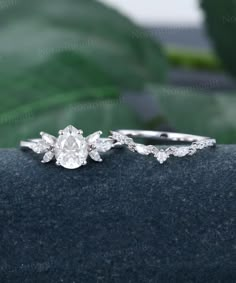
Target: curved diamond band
pixel 70 149
pixel 125 137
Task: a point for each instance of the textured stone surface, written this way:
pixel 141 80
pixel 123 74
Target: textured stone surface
pixel 127 219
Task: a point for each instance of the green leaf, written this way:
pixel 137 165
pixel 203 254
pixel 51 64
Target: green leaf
pixel 221 26
pixel 50 47
pixel 105 115
pixel 193 59
pixel 50 103
pixel 58 57
pixel 195 112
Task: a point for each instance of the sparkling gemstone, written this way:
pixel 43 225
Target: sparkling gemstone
pixel 210 142
pixel 200 145
pixel 49 139
pixel 181 151
pixel 142 149
pixel 152 149
pixel 95 155
pixel 192 150
pixel 71 149
pixel 161 156
pixel 48 156
pixel 94 137
pixel 103 145
pixel 40 147
pixel 119 137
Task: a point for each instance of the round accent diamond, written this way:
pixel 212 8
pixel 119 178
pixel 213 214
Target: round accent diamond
pixel 71 150
pixel 161 156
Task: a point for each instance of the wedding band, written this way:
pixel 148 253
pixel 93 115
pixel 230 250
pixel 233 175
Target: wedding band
pixel 70 149
pixel 125 137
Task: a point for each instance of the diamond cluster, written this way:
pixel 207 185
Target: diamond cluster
pixel 71 149
pixel 161 154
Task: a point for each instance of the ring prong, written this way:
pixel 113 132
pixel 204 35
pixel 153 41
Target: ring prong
pixel 92 147
pixel 61 132
pixel 58 163
pixel 80 132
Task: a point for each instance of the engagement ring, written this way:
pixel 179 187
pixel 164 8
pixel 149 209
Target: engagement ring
pixel 70 148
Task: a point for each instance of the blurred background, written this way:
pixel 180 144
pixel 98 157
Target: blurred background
pixel 164 65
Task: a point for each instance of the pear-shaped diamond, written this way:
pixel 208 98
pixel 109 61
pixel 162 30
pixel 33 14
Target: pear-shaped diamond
pixel 71 149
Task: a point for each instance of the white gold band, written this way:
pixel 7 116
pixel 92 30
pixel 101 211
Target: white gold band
pixel 31 143
pixel 125 137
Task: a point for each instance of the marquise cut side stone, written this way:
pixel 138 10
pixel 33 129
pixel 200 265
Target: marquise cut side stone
pixel 40 147
pixel 91 139
pixel 95 156
pixel 142 149
pixel 181 151
pixel 48 156
pixel 103 144
pixel 49 139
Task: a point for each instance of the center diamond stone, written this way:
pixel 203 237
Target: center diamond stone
pixel 71 150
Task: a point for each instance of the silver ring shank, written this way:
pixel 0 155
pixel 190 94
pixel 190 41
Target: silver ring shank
pixel 167 136
pixel 29 143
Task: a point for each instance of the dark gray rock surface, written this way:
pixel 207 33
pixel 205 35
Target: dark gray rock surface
pixel 128 219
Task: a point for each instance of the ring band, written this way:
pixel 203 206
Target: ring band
pixel 125 137
pixel 70 149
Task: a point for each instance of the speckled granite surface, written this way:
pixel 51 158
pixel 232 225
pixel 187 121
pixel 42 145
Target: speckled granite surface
pixel 128 219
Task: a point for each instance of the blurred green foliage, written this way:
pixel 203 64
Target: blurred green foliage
pixel 193 60
pixel 59 53
pixel 67 62
pixel 192 111
pixel 90 116
pixel 221 24
pixel 180 109
pixel 60 45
